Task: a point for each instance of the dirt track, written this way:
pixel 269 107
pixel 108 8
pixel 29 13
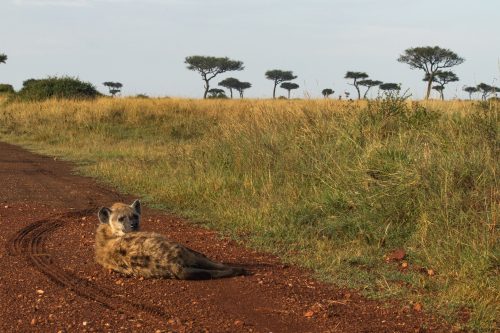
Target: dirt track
pixel 49 281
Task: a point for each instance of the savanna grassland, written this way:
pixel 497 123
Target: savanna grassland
pixel 330 185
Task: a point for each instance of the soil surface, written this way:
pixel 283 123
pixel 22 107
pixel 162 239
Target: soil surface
pixel 49 281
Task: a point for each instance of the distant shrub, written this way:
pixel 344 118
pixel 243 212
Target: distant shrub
pixel 391 114
pixel 57 87
pixel 6 89
pixel 489 104
pixel 141 96
pixel 29 81
pixel 216 93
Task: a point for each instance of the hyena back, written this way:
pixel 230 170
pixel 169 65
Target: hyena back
pixel 121 247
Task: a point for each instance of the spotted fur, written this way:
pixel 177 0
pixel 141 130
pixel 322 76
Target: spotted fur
pixel 121 247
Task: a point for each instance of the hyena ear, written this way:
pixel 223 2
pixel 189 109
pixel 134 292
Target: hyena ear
pixel 136 205
pixel 104 214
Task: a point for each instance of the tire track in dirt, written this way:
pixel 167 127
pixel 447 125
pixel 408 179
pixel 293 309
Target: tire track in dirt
pixel 30 243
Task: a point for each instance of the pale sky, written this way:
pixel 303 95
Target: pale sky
pixel 143 43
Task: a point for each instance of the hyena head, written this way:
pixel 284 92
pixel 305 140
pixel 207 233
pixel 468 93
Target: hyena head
pixel 121 218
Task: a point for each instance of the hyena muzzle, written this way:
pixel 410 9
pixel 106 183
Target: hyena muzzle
pixel 120 246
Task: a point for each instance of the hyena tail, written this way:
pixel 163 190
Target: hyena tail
pixel 201 261
pixel 191 273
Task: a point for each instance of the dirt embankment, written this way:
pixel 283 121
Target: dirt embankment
pixel 49 281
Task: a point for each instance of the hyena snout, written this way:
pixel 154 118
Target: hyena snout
pixel 134 225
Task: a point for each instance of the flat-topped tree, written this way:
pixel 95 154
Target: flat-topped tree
pixel 439 89
pixel 430 59
pixel 113 87
pixel 390 87
pixel 470 91
pixel 327 92
pixel 289 86
pixel 486 90
pixel 279 76
pixel 442 78
pixel 230 83
pixel 368 84
pixel 242 86
pixel 356 76
pixel 210 67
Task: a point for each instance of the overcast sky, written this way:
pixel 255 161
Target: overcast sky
pixel 143 43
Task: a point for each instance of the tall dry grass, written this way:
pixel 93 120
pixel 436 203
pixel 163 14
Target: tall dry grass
pixel 329 185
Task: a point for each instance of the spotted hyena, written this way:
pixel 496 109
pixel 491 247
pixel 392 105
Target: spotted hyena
pixel 120 246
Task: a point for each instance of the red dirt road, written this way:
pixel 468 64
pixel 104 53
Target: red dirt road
pixel 50 283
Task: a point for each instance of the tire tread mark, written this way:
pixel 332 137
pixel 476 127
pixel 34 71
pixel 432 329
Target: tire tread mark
pixel 30 243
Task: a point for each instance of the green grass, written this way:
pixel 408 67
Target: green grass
pixel 328 185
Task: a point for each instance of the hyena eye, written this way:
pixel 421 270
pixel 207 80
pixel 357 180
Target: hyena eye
pixel 121 218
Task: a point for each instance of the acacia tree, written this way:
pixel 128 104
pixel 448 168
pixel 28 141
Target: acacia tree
pixel 279 76
pixel 210 67
pixel 356 76
pixel 442 78
pixel 390 87
pixel 289 86
pixel 471 90
pixel 327 92
pixel 230 83
pixel 486 90
pixel 113 87
pixel 368 84
pixel 440 90
pixel 242 86
pixel 430 59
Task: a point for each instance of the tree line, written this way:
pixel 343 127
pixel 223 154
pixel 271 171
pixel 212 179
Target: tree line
pixel 434 61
